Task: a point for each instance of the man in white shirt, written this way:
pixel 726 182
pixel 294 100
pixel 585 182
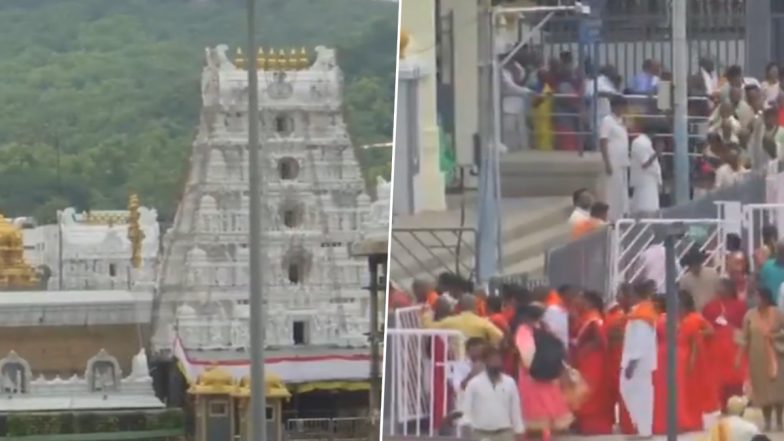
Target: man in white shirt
pixel 653 267
pixel 732 171
pixel 614 145
pixel 733 426
pixel 724 123
pixel 464 370
pixel 638 361
pixel 646 175
pixel 491 405
pixel 582 200
pixel 709 76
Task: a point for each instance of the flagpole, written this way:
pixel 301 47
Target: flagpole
pixel 258 403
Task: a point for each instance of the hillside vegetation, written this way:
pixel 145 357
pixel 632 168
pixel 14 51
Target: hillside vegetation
pixel 109 90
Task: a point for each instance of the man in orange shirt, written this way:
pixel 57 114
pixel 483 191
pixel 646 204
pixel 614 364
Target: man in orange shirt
pixel 599 213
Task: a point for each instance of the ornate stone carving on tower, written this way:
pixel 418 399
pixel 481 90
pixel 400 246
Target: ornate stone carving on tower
pixel 314 209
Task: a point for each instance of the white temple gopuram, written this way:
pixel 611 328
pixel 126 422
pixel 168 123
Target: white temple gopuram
pixel 314 208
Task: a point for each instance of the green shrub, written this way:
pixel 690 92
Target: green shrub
pixel 34 424
pixel 25 424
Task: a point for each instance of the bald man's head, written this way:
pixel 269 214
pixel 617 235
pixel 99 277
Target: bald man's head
pixel 421 288
pixel 442 308
pixel 468 303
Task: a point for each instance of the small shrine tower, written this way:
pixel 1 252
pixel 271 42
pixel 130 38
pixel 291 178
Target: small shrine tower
pixel 15 273
pixel 222 406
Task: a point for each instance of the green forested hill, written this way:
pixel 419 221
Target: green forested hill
pixel 113 85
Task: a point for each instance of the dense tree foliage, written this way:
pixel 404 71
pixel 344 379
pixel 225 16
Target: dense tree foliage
pixel 99 98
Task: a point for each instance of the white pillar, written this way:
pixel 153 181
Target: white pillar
pixel 418 20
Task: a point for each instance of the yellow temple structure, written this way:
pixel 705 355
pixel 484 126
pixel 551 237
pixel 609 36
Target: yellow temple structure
pixel 15 273
pixel 222 405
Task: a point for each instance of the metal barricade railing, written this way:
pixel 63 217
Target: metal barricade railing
pixel 430 251
pixel 631 238
pixel 524 280
pixel 328 429
pixel 408 317
pixel 584 262
pixel 561 121
pixel 418 380
pixel 631 31
pixel 755 218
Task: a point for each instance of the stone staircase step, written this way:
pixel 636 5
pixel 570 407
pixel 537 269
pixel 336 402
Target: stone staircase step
pixel 534 246
pixel 524 222
pixel 534 173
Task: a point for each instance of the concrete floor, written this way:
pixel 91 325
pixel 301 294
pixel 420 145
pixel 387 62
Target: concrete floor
pixel 685 437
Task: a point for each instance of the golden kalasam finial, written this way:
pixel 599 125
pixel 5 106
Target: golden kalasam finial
pixel 272 60
pixel 293 60
pixel 282 62
pixel 304 62
pixel 261 62
pixel 404 40
pixel 239 59
pixel 135 233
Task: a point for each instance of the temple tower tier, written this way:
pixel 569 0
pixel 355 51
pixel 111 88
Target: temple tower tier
pixel 314 209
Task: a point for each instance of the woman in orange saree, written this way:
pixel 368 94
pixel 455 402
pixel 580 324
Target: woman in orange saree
pixel 596 416
pixel 725 313
pixel 660 380
pixel 700 390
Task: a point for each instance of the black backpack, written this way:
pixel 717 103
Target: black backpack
pixel 548 362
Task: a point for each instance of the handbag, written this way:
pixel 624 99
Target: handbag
pixel 574 387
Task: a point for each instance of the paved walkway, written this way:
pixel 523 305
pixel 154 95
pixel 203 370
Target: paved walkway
pixel 685 437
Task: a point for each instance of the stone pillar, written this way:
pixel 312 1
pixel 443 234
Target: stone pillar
pixel 418 20
pixel 758 36
pixel 465 78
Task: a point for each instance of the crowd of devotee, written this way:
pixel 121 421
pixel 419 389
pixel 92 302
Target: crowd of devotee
pixel 544 362
pixel 736 123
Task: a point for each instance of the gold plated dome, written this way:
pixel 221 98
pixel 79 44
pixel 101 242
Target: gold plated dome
pixel 213 381
pixel 15 273
pixel 275 387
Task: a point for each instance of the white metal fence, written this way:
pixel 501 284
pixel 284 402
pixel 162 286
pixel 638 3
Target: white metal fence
pixel 418 380
pixel 631 238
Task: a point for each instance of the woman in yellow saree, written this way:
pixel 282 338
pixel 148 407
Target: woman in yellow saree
pixel 543 116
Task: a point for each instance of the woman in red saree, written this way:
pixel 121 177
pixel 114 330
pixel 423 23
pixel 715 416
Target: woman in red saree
pixel 615 325
pixel 443 397
pixel 596 416
pixel 725 313
pixel 700 392
pixel 660 403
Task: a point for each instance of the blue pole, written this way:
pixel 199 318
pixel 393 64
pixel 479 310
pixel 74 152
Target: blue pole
pixel 680 102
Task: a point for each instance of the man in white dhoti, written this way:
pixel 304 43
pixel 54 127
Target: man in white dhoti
pixel 646 175
pixel 639 361
pixel 614 145
pixel 516 100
